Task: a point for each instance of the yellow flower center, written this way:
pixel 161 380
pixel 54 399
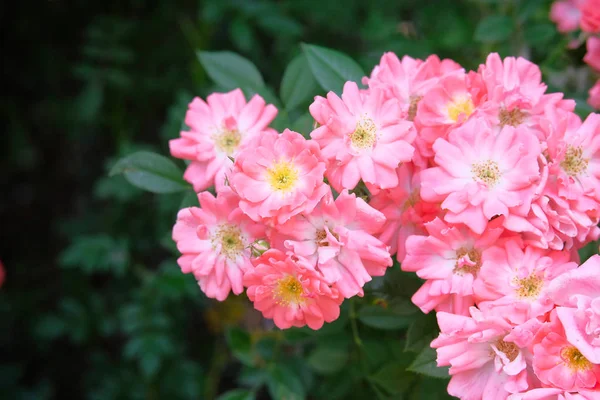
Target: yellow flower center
pixel 230 239
pixel 288 290
pixel 414 106
pixel 227 140
pixel 282 176
pixel 510 350
pixel 461 105
pixel 364 134
pixel 514 117
pixel 487 172
pixel 530 287
pixel 574 359
pixel 469 264
pixel 574 163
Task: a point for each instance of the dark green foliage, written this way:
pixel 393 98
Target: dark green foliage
pixel 95 306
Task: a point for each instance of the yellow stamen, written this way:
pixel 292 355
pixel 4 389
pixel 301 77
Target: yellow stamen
pixel 487 172
pixel 364 134
pixel 574 359
pixel 288 290
pixel 227 140
pixel 460 105
pixel 230 239
pixel 574 163
pixel 530 287
pixel 282 176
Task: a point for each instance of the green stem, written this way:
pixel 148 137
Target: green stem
pixel 214 373
pixel 361 349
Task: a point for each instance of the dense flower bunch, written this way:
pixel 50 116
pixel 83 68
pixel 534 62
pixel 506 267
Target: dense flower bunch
pixel 584 15
pixel 479 181
pixel 274 226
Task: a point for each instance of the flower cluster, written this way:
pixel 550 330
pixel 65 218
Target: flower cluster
pixel 573 15
pixel 274 227
pixel 500 194
pixel 480 182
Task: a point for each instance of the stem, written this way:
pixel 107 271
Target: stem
pixel 361 349
pixel 357 340
pixel 212 377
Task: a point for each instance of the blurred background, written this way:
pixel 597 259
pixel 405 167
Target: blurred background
pixel 93 304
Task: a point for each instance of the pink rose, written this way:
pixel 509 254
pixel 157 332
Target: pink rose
pixel 577 295
pixel 594 99
pixel 592 57
pixel 590 16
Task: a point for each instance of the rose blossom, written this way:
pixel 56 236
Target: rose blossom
pixel 219 129
pixel 215 242
pixel 557 362
pixel 481 174
pixel 566 14
pixel 594 96
pixel 449 259
pixel 287 289
pixel 488 357
pixel 337 237
pixel 361 137
pixel 592 57
pixel 590 16
pixel 278 176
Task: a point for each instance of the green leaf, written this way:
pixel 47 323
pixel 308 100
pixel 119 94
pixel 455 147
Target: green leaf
pixel 298 83
pixel 304 125
pixel 231 70
pixel 241 34
pixel 252 376
pixel 241 345
pixel 527 9
pixel 425 364
pixel 377 351
pixel 265 348
pixel 335 387
pixel 393 378
pixel 421 332
pixel 430 389
pixel 397 315
pixel 494 28
pixel 283 383
pixel 539 34
pixel 298 366
pixel 89 102
pixel 190 199
pixel 331 68
pixel 150 363
pixel 280 25
pixel 152 172
pixel 49 327
pixel 398 284
pixel 96 253
pixel 237 394
pixel 327 360
pixel 380 318
pixel 587 251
